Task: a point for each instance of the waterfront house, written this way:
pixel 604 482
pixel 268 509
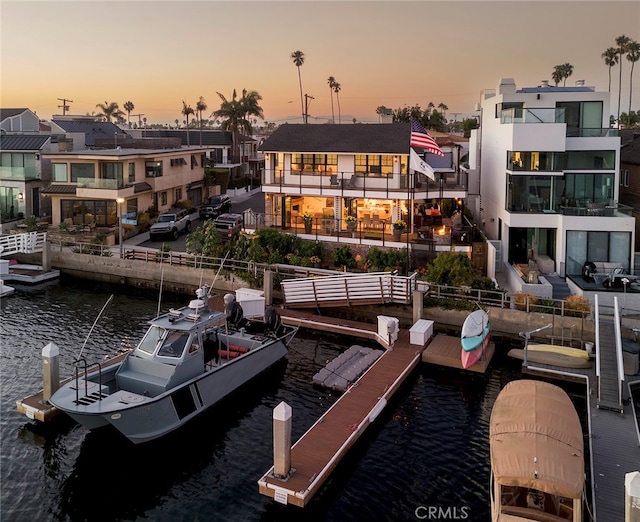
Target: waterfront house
pixel 318 176
pixel 547 167
pixel 630 175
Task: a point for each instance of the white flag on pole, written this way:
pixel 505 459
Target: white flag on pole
pixel 419 165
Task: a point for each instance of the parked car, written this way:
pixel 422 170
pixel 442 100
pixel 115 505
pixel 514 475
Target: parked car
pixel 229 226
pixel 215 206
pixel 170 223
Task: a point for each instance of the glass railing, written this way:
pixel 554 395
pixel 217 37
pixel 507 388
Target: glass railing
pixel 105 184
pixel 18 173
pixel 523 115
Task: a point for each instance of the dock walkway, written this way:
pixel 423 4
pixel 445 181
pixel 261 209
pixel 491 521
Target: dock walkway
pixel 320 449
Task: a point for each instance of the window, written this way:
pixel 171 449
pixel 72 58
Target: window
pixel 82 171
pixel 590 159
pixel 624 177
pixel 153 169
pixel 194 161
pixel 176 162
pixel 323 163
pixel 163 198
pixel 132 205
pixel 59 172
pixel 132 172
pixel 513 108
pixel 113 171
pixel 373 165
pixel 582 118
pixel 178 194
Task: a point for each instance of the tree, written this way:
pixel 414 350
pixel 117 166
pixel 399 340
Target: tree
pixel 129 106
pixel 561 73
pixel 235 113
pixel 451 268
pixel 444 109
pixel 336 89
pixel 177 123
pixel 298 60
pixel 187 111
pixel 610 59
pixel 109 110
pixel 622 42
pixel 331 81
pixel 200 107
pixel 633 55
pixel 468 124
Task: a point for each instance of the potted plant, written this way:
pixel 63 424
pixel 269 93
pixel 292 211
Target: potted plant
pixel 351 222
pixel 315 261
pixel 398 226
pixel 307 219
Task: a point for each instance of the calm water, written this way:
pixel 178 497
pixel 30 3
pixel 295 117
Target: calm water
pixel 428 448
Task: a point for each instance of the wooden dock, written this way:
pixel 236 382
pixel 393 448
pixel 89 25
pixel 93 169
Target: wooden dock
pixel 321 448
pixel 444 350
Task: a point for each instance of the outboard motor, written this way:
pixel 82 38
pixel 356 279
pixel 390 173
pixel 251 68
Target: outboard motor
pixel 272 320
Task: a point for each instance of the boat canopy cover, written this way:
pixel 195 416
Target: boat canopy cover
pixel 536 420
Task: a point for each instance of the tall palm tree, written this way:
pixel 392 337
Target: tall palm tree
pixel 298 60
pixel 129 106
pixel 633 55
pixel 622 42
pixel 331 81
pixel 610 59
pixel 444 109
pixel 200 107
pixel 567 70
pixel 235 113
pixel 186 111
pixel 109 110
pixel 336 89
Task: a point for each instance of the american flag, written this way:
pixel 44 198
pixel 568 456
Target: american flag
pixel 420 138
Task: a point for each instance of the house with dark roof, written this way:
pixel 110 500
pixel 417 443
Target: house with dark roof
pixel 353 183
pixel 18 121
pixel 630 176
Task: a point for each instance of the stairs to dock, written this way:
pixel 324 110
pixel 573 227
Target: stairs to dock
pixel 560 287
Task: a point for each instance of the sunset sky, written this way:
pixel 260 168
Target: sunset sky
pixel 393 53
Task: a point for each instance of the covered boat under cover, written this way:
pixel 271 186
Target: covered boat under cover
pixel 536 441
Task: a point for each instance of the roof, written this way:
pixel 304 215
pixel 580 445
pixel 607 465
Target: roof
pixel 91 129
pixel 8 113
pixel 22 142
pixel 209 137
pixel 359 138
pixel 143 186
pixel 630 150
pixel 59 189
pixel 535 420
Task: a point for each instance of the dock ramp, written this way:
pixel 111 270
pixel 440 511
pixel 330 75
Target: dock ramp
pixel 27 243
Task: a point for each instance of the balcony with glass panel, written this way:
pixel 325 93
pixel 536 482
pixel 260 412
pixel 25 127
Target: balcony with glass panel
pixel 18 173
pixel 99 188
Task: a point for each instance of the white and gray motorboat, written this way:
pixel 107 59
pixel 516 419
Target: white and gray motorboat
pixel 188 360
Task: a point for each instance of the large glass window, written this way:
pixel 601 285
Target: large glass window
pixel 323 163
pixel 132 172
pixel 373 165
pixel 112 170
pixel 529 193
pixel 82 171
pixel 582 118
pixel 18 165
pixel 102 212
pixel 582 189
pixel 153 169
pixel 590 159
pixel 60 172
pixel 545 161
pixel 609 247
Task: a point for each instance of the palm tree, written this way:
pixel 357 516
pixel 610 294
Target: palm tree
pixel 186 111
pixel 556 75
pixel 235 113
pixel 610 59
pixel 109 110
pixel 177 123
pixel 200 107
pixel 298 60
pixel 444 109
pixel 561 73
pixel 336 89
pixel 633 55
pixel 622 42
pixel 331 81
pixel 129 106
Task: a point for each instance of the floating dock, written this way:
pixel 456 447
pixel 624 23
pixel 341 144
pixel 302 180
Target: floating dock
pixel 444 350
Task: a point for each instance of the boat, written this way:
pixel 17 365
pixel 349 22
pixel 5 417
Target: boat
pixel 470 358
pixel 554 348
pixel 536 455
pixel 5 290
pixel 187 361
pixel 552 358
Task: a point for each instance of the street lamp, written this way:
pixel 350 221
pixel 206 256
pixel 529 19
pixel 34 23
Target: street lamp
pixel 120 201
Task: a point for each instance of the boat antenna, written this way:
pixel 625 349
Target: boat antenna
pixel 219 268
pixel 93 325
pixel 160 292
pixel 527 336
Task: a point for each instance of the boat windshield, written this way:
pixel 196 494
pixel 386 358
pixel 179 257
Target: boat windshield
pixel 174 344
pixel 151 339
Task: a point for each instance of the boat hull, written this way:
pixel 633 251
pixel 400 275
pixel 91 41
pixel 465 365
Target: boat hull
pixel 551 358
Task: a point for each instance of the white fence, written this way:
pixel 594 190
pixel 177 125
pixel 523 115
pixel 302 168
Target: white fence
pixel 27 243
pixel 347 290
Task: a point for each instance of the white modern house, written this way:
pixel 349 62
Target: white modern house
pixel 546 167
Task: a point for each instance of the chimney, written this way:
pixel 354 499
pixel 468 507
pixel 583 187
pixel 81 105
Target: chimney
pixel 579 83
pixel 544 83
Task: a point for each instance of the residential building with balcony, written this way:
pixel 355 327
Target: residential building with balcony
pixel 351 183
pixel 547 169
pixel 87 184
pixel 630 176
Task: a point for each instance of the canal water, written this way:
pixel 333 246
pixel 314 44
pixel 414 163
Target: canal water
pixel 428 449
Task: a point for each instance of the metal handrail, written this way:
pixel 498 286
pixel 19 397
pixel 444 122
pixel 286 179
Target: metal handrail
pixel 597 325
pixel 619 360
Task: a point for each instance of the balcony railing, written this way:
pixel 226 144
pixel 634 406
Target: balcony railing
pixel 18 173
pixel 93 183
pixel 536 115
pixel 361 184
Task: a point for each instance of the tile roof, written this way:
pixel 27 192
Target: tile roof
pixel 381 138
pixel 143 186
pixel 59 189
pixel 22 142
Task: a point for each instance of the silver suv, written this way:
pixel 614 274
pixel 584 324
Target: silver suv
pixel 170 223
pixel 229 226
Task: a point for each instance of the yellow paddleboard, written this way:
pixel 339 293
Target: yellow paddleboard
pixel 564 350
